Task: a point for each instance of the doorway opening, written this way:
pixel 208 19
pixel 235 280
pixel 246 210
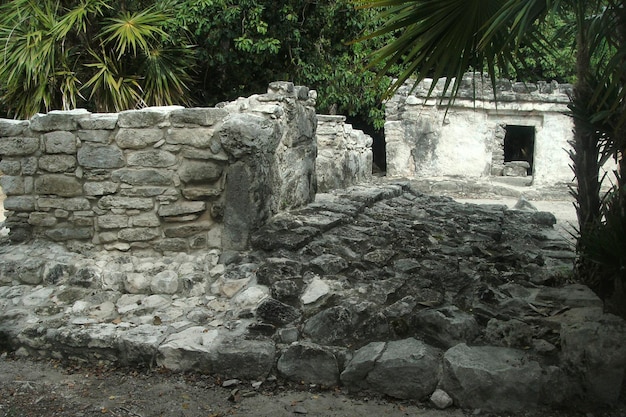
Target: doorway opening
pixel 519 146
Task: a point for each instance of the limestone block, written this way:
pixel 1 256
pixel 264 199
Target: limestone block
pixel 136 283
pixel 332 326
pixel 8 167
pixel 42 219
pixel 59 142
pixel 112 221
pixel 201 137
pixel 150 116
pixel 182 208
pixel 244 134
pixel 60 185
pixel 495 379
pixel 98 188
pixel 96 136
pixel 19 203
pixel 111 201
pixel 165 282
pixel 57 120
pixel 197 116
pixel 153 158
pixel 187 230
pixel 145 220
pixel 29 165
pixel 69 204
pixel 214 152
pixel 138 234
pixel 57 163
pixel 188 349
pixel 18 145
pixel 171 245
pixel 10 127
pixel 446 326
pixel 139 345
pixel 104 121
pixel 138 138
pixel 12 185
pixel 201 193
pixel 94 156
pixel 61 234
pixel 243 358
pixel 311 363
pixel 162 193
pixel 146 176
pixel 194 171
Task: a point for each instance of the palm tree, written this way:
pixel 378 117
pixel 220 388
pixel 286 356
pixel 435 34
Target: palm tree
pixel 62 54
pixel 447 38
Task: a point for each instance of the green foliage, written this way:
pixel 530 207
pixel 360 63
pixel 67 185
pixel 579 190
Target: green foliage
pixel 244 45
pixel 65 54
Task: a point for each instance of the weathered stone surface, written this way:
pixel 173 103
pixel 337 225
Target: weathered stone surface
pixel 12 185
pixel 59 142
pixel 98 121
pixel 113 221
pixel 274 312
pixel 197 137
pixel 187 230
pixel 332 326
pixel 61 234
pixel 310 363
pixel 153 158
pixel 137 138
pixel 491 378
pixel 110 201
pixel 596 350
pixel 94 156
pixel 96 136
pixel 138 234
pixel 57 163
pixel 181 208
pixel 10 127
pixel 165 282
pixel 192 171
pixel 446 326
pixel 198 116
pixel 16 146
pixel 99 188
pixel 406 369
pixel 69 204
pixel 60 185
pixel 57 120
pixel 144 176
pixel 243 134
pixel 150 116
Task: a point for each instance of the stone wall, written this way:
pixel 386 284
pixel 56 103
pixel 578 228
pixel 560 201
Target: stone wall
pixel 160 178
pixel 425 137
pixel 344 155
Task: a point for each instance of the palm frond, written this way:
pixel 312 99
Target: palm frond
pixel 134 31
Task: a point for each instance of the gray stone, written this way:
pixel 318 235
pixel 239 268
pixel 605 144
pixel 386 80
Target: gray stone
pixel 330 264
pixel 59 142
pixel 59 185
pixel 10 167
pixel 138 234
pixel 249 359
pixel 198 116
pixel 96 136
pixel 191 171
pixel 57 120
pixel 95 156
pixel 69 204
pixel 112 221
pixel 311 363
pixel 165 282
pixel 441 399
pixel 446 326
pixel 57 163
pixel 17 146
pixel 354 376
pixel 150 116
pixel 188 350
pixel 494 379
pixel 332 326
pixel 243 134
pixel 136 283
pixel 137 138
pixel 105 121
pixel 153 158
pixel 110 201
pixel 12 185
pixel 99 188
pixel 42 219
pixel 139 345
pixel 181 208
pixel 62 234
pixel 144 176
pixel 406 369
pixel 19 203
pixel 188 230
pixel 197 137
pixel 597 352
pixel 9 127
pixel 277 313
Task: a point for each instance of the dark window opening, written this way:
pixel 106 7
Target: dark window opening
pixel 519 145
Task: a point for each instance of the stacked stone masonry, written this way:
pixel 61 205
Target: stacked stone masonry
pixel 344 154
pixel 161 178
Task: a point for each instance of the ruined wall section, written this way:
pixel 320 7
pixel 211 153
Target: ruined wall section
pixel 159 178
pixel 431 136
pixel 344 154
